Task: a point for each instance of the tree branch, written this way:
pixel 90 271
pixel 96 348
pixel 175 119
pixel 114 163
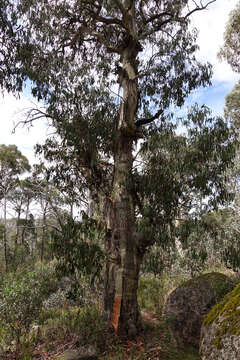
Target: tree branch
pixel 198 8
pixel 143 16
pixel 157 16
pixel 146 121
pixel 32 115
pixel 172 18
pixel 102 19
pixel 82 30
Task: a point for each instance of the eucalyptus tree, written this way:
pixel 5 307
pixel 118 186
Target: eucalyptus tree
pixel 12 164
pixel 21 199
pixel 231 46
pixel 230 52
pixel 108 72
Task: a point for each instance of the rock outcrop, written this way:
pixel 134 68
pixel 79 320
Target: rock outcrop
pixel 220 333
pixel 187 305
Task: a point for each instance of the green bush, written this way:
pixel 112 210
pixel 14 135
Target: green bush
pixel 151 294
pixel 77 250
pixel 85 323
pixel 21 299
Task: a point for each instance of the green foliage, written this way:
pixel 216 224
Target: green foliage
pixel 231 255
pixel 192 170
pixel 232 105
pixel 157 260
pixel 209 240
pixel 155 301
pixel 230 52
pixel 21 299
pixel 18 256
pixel 12 164
pixel 73 55
pixel 153 292
pixel 85 323
pixel 186 167
pixel 230 49
pixel 1 231
pixel 12 160
pixel 85 112
pixel 78 252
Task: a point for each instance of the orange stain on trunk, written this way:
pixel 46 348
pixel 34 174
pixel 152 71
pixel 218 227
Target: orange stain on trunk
pixel 116 312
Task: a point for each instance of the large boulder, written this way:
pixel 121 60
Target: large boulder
pixel 220 333
pixel 187 305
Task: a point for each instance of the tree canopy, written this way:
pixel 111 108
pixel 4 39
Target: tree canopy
pixel 230 52
pixel 230 49
pixel 12 164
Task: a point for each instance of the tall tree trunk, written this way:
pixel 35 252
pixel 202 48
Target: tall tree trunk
pixel 123 257
pixel 5 233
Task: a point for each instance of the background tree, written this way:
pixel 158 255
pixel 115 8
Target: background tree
pixel 108 72
pixel 230 53
pixel 21 198
pixel 12 164
pixel 231 46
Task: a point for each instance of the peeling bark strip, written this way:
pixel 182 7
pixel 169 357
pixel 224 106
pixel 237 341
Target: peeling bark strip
pixel 116 312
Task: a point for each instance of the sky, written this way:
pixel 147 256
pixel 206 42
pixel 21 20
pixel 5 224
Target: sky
pixel 211 26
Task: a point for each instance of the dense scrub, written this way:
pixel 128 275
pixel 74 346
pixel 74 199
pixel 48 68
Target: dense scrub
pixel 40 316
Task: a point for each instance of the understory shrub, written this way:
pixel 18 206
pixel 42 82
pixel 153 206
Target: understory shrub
pixel 55 300
pixel 79 256
pixel 153 292
pixel 155 287
pixel 85 323
pixel 21 299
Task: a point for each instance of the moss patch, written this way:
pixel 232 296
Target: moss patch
pixel 226 315
pixel 229 307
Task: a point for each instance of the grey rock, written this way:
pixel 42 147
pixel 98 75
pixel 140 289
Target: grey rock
pixel 83 353
pixel 187 305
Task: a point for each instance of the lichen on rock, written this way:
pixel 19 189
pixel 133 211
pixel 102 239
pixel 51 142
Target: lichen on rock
pixel 187 305
pixel 220 333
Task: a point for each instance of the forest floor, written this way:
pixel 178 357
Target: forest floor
pixel 154 343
